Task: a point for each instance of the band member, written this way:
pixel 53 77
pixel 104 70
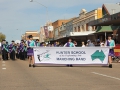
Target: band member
pixel 69 44
pixel 12 50
pixel 24 50
pixel 37 43
pixel 30 45
pixel 4 50
pixel 7 54
pixel 111 44
pixel 20 49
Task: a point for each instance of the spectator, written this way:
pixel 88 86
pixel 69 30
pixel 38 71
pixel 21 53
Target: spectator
pixel 75 43
pixel 102 44
pixel 98 44
pixel 83 44
pixel 90 44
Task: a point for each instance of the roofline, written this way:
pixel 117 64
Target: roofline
pixel 105 8
pixel 31 31
pixel 60 20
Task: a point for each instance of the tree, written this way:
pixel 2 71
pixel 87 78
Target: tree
pixel 2 37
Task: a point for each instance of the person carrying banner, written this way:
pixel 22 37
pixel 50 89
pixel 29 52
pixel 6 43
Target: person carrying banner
pixel 110 43
pixel 69 44
pixel 30 53
pixel 12 50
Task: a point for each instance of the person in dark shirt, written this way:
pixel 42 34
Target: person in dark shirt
pixel 4 50
pixel 90 44
pixel 12 50
pixel 98 44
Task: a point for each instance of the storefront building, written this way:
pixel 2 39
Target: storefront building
pixel 109 24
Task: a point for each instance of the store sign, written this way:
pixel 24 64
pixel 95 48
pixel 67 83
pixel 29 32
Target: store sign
pixel 50 28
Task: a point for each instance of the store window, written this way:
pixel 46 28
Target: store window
pixel 93 28
pixel 78 28
pixel 75 30
pixel 83 29
pixel 87 27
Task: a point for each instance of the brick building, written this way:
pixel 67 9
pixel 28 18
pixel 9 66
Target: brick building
pixel 57 24
pixel 35 35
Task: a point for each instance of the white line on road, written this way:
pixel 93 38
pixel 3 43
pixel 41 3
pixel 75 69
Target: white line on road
pixel 3 65
pixel 106 75
pixel 3 68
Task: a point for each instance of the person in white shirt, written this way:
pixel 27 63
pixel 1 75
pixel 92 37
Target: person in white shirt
pixel 0 44
pixel 83 44
pixel 102 44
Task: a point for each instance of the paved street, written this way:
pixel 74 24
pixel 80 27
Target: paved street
pixel 16 75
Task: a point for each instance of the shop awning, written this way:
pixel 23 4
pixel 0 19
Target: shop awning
pixel 104 29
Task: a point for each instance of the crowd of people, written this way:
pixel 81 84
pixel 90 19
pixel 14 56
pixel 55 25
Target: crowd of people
pixel 24 49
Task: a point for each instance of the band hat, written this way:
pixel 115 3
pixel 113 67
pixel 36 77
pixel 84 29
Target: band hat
pixel 30 36
pixel 13 41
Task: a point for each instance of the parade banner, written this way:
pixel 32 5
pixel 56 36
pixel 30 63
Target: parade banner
pixel 46 31
pixel 71 55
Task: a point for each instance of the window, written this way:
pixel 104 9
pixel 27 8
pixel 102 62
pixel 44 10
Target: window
pixel 75 29
pixel 93 28
pixel 83 28
pixel 78 28
pixel 87 27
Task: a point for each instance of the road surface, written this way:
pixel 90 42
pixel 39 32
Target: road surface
pixel 16 75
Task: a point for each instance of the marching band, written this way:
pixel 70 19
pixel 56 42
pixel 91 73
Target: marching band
pixel 16 50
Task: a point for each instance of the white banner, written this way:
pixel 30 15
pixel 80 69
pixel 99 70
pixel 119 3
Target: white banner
pixel 71 55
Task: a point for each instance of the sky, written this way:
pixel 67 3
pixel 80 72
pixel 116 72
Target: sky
pixel 19 16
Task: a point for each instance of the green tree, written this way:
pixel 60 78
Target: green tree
pixel 2 37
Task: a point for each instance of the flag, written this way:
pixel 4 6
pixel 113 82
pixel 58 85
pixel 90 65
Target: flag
pixel 46 31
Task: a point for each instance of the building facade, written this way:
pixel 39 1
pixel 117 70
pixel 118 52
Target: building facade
pixel 109 23
pixel 80 24
pixel 69 26
pixel 57 26
pixel 35 35
pixel 42 35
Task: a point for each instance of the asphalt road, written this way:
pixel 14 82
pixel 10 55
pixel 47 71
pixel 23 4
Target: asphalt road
pixel 16 75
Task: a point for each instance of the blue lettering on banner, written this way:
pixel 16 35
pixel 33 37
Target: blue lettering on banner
pixel 81 59
pixel 71 59
pixel 65 59
pixel 62 52
pixel 78 52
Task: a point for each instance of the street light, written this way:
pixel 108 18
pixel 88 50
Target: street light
pixel 43 6
pixel 47 23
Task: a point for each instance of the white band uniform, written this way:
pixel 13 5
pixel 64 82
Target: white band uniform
pixel 71 55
